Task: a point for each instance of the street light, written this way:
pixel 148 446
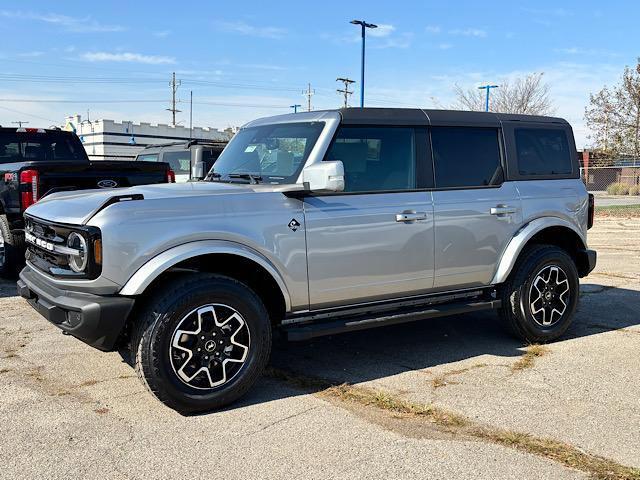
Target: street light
pixel 295 107
pixel 487 88
pixel 364 25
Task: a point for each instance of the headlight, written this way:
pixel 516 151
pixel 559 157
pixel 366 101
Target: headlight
pixel 78 262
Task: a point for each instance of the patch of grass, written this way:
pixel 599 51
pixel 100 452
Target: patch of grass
pixel 625 211
pixel 529 358
pixel 597 467
pixel 5 370
pixel 442 380
pixel 101 411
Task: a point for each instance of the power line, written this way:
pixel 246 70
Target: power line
pixel 174 88
pixel 309 93
pixel 345 91
pixel 223 104
pixel 19 123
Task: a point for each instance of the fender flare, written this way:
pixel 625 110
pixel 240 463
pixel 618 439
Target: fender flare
pixel 518 242
pixel 159 264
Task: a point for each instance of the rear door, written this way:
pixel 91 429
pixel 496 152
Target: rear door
pixel 374 240
pixel 476 211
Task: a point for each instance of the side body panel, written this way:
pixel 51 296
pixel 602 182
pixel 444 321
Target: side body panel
pixel 469 239
pixel 357 251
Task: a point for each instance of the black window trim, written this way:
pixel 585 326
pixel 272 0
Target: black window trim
pixel 501 152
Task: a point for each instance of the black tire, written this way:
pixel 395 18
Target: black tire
pixel 11 250
pixel 527 322
pixel 166 312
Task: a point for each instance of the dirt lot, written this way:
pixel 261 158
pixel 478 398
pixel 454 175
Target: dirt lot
pixel 446 398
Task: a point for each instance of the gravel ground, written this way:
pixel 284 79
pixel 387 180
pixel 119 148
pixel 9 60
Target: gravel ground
pixel 69 411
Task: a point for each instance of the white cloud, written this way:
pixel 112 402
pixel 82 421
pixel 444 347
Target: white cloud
pixel 127 57
pixel 252 30
pixel 70 24
pixel 469 32
pixel 587 51
pixel 31 54
pixel 162 33
pixel 433 29
pixel 383 30
pixel 398 41
pixel 445 46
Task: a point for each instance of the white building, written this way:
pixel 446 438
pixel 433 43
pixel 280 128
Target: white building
pixel 110 140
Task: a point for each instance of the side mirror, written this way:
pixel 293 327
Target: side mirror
pixel 324 176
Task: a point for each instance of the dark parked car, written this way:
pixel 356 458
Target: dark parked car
pixel 35 162
pixel 190 160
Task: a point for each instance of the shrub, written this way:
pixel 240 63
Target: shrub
pixel 634 190
pixel 618 189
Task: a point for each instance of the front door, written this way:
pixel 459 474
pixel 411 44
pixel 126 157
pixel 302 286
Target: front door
pixel 375 240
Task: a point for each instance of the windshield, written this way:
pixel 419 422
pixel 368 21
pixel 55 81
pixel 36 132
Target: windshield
pixel 269 153
pixel 28 146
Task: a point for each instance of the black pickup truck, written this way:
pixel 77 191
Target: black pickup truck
pixel 35 162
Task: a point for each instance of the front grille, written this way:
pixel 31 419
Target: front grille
pixel 44 238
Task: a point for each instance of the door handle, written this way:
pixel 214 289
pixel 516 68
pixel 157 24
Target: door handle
pixel 410 216
pixel 502 210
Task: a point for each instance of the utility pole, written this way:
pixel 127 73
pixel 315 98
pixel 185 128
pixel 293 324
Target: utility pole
pixel 487 88
pixel 191 115
pixel 309 93
pixel 174 88
pixel 19 123
pixel 295 107
pixel 346 92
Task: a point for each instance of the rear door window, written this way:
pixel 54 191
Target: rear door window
pixel 542 151
pixel 33 146
pixel 180 162
pixel 148 157
pixel 466 156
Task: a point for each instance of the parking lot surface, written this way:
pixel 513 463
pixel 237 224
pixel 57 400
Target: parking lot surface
pixel 444 398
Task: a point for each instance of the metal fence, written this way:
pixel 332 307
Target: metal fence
pixel 599 179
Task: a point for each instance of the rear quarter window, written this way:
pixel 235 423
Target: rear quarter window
pixel 147 157
pixel 542 151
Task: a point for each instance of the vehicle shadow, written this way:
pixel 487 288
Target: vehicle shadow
pixel 383 352
pixel 8 288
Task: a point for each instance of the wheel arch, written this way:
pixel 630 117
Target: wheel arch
pixel 550 231
pixel 216 256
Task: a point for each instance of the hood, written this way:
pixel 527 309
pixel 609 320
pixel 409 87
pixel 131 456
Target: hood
pixel 77 208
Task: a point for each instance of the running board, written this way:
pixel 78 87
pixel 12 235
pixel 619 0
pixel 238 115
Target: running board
pixel 306 331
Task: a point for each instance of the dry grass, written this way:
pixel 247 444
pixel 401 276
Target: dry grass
pixel 529 358
pixel 443 379
pixel 385 403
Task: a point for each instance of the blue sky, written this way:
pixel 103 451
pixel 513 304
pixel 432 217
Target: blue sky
pixel 247 59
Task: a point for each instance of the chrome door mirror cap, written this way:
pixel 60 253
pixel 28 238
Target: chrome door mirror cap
pixel 324 176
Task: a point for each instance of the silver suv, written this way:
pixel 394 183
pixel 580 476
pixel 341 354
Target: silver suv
pixel 314 224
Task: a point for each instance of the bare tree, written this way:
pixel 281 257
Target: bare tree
pixel 525 95
pixel 613 115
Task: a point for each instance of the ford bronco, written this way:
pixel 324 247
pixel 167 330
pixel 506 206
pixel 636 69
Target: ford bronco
pixel 313 224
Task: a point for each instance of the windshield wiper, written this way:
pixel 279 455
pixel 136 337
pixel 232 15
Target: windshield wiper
pixel 253 178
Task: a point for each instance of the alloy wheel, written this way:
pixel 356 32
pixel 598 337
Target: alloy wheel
pixel 209 346
pixel 549 295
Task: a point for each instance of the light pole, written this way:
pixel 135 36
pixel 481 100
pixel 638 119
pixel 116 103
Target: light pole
pixel 487 88
pixel 364 25
pixel 295 107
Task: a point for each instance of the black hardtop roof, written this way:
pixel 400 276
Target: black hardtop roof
pixel 417 116
pixel 187 144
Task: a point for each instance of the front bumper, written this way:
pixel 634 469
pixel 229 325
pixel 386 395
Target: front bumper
pixel 586 262
pixel 95 319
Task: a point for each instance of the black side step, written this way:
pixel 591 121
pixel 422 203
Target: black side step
pixel 307 331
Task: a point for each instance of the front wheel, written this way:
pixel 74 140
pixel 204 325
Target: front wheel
pixel 541 295
pixel 201 342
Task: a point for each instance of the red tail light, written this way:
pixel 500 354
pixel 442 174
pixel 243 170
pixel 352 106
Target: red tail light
pixel 171 176
pixel 592 208
pixel 28 188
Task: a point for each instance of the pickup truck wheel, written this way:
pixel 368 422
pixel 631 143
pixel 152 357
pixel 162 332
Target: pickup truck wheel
pixel 11 250
pixel 541 295
pixel 201 342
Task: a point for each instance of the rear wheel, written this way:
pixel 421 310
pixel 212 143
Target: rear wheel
pixel 11 250
pixel 201 342
pixel 540 298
